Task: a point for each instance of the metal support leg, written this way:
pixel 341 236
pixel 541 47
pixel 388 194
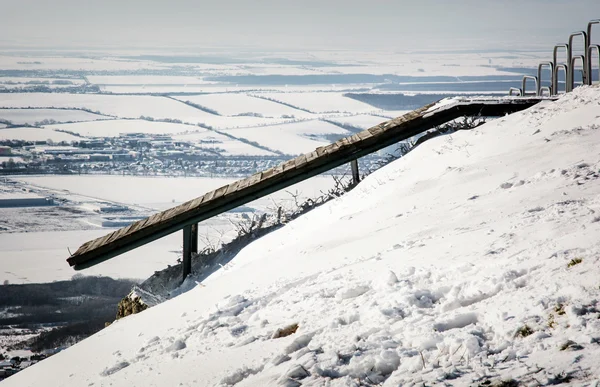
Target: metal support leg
pixel 355 174
pixel 187 251
pixel 194 236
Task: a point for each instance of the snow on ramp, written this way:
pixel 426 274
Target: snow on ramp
pixel 471 261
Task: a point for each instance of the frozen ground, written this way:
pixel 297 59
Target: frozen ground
pixel 230 104
pixel 32 116
pixel 472 261
pixel 113 105
pixel 159 193
pixel 293 139
pixel 321 102
pixel 35 134
pixel 227 146
pixel 366 121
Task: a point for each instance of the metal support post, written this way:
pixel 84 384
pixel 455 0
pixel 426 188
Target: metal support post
pixel 187 251
pixel 355 173
pixel 590 48
pixel 571 73
pixel 524 84
pixel 562 65
pixel 541 88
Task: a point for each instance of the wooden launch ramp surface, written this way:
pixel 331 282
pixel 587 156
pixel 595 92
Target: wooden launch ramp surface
pixel 187 215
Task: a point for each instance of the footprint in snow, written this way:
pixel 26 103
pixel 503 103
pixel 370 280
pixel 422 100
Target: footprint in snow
pixel 344 294
pixel 116 368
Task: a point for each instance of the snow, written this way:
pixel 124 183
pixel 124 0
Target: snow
pixel 293 138
pixel 123 106
pixel 207 139
pixel 35 134
pixel 143 80
pixel 362 121
pixel 31 116
pixel 230 104
pixel 159 193
pixel 114 128
pixel 472 260
pixel 321 102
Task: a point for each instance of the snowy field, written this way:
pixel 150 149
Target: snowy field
pixel 292 139
pixel 210 140
pixel 494 283
pixel 31 116
pixel 123 80
pixel 229 88
pixel 35 134
pixel 113 105
pixel 230 104
pixel 114 128
pixel 321 102
pixel 160 193
pixel 366 121
pixel 38 257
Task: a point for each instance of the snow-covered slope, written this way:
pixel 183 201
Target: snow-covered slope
pixel 473 260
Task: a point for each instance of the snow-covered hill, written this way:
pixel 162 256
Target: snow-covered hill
pixel 474 260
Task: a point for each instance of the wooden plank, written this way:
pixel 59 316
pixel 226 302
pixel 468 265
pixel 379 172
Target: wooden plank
pixel 232 187
pixel 365 134
pixel 290 164
pixel 220 191
pixel 300 161
pixel 311 156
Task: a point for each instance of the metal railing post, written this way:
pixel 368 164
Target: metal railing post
pixel 589 49
pixel 355 173
pixel 524 84
pixel 555 64
pixel 513 91
pixel 571 74
pixel 565 68
pixel 539 75
pixel 583 75
pixel 186 260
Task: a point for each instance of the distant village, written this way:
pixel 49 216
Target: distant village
pixel 136 154
pixel 9 367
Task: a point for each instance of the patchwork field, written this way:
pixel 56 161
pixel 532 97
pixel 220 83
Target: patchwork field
pixel 121 80
pixel 113 105
pixel 292 139
pixel 33 116
pixel 321 102
pixel 232 104
pixel 35 134
pixel 362 121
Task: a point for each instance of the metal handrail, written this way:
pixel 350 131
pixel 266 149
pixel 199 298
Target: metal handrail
pixel 571 74
pixel 524 84
pixel 547 89
pixel 539 75
pixel 555 77
pixel 554 56
pixel 591 48
pixel 518 91
pixel 583 71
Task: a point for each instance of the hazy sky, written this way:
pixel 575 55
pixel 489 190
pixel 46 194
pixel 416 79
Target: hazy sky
pixel 300 24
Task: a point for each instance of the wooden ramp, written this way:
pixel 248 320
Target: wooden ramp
pixel 187 215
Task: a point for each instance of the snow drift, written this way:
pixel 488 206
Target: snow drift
pixel 474 260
